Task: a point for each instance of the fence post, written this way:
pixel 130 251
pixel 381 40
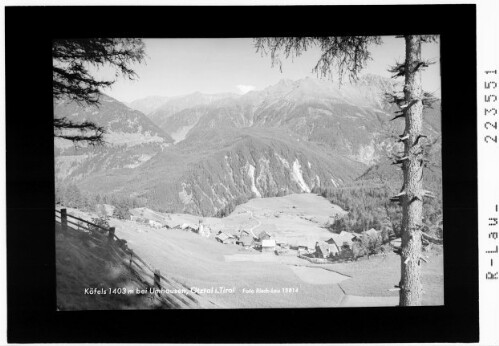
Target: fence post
pixel 157 278
pixel 111 234
pixel 64 220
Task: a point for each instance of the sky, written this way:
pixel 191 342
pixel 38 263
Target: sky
pixel 182 66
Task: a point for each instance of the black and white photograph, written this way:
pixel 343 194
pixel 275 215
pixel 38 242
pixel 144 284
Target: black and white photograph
pixel 239 173
pixel 184 174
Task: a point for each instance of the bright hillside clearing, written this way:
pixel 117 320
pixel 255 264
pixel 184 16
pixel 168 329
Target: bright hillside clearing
pixel 296 219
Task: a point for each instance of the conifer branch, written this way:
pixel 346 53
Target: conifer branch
pixel 401 115
pixel 421 64
pixel 65 129
pixel 431 239
pixel 398 198
pixel 428 100
pixel 418 138
pixel 72 80
pixel 345 54
pixel 397 70
pixel 394 98
pixel 428 38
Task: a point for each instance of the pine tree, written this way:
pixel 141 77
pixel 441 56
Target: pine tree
pixel 73 81
pixel 121 211
pixel 348 54
pixel 413 161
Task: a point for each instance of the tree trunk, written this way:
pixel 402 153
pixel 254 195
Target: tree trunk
pixel 411 289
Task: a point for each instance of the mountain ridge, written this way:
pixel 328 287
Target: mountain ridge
pixel 208 154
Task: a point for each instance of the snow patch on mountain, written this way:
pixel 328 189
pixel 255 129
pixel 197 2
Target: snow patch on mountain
pixel 334 182
pixel 297 176
pixel 283 160
pixel 251 174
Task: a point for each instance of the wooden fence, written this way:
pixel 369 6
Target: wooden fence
pixel 315 260
pixel 67 220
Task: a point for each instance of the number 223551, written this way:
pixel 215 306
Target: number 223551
pixel 492 99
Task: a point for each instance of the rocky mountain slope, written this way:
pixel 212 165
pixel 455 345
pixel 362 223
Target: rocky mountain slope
pixel 203 175
pixel 351 120
pixel 203 154
pixel 131 139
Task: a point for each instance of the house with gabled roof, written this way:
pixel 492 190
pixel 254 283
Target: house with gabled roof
pixel 224 238
pixel 242 233
pixel 373 233
pixel 155 224
pixel 264 235
pixel 343 239
pixel 187 227
pixel 325 250
pixel 245 241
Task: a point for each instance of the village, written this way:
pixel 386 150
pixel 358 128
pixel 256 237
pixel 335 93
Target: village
pixel 282 243
pixel 340 247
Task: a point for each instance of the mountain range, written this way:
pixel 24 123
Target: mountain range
pixel 200 153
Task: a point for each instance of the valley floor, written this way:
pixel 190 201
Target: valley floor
pixel 229 276
pixel 203 263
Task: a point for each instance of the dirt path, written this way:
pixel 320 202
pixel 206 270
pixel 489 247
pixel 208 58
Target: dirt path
pixel 252 228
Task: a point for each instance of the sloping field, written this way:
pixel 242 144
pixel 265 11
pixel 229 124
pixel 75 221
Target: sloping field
pixel 228 276
pixel 198 262
pixel 318 276
pixel 93 275
pixel 204 263
pixel 375 276
pixel 296 219
pixel 361 301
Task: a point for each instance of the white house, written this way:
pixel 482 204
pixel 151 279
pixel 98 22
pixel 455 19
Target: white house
pixel 155 224
pixel 204 231
pixel 268 245
pixel 186 226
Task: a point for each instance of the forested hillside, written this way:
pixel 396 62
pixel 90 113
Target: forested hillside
pixel 368 201
pixel 205 154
